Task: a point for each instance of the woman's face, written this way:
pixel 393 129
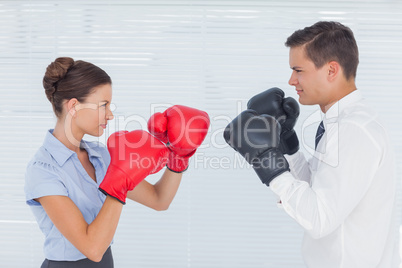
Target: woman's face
pixel 92 115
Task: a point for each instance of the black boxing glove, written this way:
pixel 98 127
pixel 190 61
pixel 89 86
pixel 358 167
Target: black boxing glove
pixel 257 137
pixel 285 110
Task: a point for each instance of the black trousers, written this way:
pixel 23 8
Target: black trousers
pixel 106 262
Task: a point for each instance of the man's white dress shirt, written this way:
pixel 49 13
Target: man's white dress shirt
pixel 344 196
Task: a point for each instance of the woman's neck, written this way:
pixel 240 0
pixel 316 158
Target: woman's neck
pixel 65 134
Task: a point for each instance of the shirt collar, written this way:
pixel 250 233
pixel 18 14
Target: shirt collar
pixel 56 148
pixel 60 152
pixel 333 113
pixel 89 147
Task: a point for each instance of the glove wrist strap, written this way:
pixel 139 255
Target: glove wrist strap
pixel 270 165
pixel 178 163
pixel 114 184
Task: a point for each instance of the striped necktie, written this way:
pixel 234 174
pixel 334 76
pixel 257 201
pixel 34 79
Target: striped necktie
pixel 320 132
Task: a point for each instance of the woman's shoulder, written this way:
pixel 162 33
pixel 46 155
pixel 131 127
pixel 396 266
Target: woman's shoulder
pixel 43 177
pixel 42 168
pixel 42 159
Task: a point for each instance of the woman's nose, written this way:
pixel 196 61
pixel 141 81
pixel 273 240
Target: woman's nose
pixel 110 115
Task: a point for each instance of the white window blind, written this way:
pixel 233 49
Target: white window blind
pixel 212 55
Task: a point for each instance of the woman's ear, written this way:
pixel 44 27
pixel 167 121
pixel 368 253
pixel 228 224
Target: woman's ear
pixel 71 106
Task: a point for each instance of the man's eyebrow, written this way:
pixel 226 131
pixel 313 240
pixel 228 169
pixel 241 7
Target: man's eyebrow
pixel 295 67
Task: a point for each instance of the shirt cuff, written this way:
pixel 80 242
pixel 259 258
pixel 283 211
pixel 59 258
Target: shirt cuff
pixel 41 190
pixel 280 184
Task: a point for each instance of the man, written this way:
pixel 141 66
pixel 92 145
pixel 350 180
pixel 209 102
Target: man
pixel 344 197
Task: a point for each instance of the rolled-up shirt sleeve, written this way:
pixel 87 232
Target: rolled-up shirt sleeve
pixel 42 180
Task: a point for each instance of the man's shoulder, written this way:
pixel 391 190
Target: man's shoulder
pixel 362 119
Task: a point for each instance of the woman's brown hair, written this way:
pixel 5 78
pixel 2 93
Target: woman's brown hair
pixel 66 79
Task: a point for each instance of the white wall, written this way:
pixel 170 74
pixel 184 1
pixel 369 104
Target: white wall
pixel 212 55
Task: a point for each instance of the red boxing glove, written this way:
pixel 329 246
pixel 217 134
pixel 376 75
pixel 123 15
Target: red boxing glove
pixel 134 155
pixel 182 129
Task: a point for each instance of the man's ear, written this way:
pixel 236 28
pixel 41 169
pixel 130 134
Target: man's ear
pixel 71 106
pixel 333 70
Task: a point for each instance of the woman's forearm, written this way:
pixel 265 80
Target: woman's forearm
pixel 160 195
pixel 166 188
pixel 101 231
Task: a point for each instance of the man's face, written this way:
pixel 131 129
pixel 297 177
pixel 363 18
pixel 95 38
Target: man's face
pixel 310 82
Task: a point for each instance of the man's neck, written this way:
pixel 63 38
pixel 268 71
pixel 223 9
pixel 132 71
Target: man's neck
pixel 340 91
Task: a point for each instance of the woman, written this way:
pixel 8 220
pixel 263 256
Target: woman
pixel 64 177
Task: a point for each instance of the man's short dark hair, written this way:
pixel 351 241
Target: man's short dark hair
pixel 327 41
